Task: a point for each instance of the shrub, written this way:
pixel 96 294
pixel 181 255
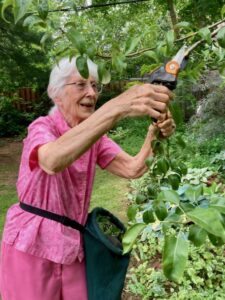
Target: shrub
pixel 12 122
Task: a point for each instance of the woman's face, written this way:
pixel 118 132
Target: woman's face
pixel 78 99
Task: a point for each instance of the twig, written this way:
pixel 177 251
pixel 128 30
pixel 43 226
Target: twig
pixel 80 8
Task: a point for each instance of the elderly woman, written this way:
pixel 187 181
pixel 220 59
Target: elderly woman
pixel 41 258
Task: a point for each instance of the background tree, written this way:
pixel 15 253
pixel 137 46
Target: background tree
pixel 23 62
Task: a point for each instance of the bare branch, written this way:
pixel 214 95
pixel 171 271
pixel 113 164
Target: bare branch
pixel 80 8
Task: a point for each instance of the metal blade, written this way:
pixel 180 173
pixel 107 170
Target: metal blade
pixel 181 54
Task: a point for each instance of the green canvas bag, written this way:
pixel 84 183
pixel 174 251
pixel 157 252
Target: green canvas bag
pixel 106 266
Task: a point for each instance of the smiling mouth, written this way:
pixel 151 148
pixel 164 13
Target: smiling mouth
pixel 88 105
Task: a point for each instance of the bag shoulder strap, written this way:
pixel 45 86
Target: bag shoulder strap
pixel 52 216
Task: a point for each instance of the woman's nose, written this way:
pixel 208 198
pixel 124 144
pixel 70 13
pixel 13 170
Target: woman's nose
pixel 91 90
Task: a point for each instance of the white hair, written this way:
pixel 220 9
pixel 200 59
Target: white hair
pixel 62 71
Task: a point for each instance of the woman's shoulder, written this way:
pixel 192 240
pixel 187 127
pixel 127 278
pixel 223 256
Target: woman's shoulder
pixel 40 121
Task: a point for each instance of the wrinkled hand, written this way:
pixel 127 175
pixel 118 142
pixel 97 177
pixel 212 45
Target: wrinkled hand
pixel 142 100
pixel 167 126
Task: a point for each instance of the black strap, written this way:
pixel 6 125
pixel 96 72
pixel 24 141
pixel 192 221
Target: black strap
pixel 52 216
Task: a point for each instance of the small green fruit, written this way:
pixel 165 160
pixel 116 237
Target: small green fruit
pixel 174 181
pixel 161 211
pixel 148 216
pixel 140 199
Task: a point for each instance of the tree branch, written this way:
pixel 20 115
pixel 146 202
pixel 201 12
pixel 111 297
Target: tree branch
pixel 173 16
pixel 80 8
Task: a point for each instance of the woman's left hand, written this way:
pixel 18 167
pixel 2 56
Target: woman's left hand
pixel 167 126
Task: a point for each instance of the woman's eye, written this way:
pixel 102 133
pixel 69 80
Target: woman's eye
pixel 94 85
pixel 81 85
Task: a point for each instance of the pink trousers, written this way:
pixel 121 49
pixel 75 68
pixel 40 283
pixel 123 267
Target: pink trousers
pixel 27 277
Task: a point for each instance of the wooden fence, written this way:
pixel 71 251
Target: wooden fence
pixel 23 99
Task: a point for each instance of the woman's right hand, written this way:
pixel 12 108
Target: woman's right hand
pixel 141 100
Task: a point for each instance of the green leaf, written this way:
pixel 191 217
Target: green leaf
pixel 5 5
pixel 91 51
pixel 118 62
pixel 82 66
pixel 197 235
pixel 45 37
pixel 152 55
pixel 205 34
pixel 222 12
pixel 180 141
pixel 132 211
pixel 157 147
pixel 30 21
pixel 221 37
pixel 187 206
pixel 172 218
pixel 176 112
pixel 183 168
pixel 183 24
pixel 170 196
pixel 170 39
pixel 20 8
pixel 103 74
pixel 215 240
pixel 131 235
pixel 131 44
pixel 77 40
pixel 43 9
pixel 148 216
pixel 218 202
pixel 175 255
pixel 148 69
pixel 208 219
pixel 106 77
pixel 194 192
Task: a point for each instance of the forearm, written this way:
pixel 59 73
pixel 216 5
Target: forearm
pixel 56 156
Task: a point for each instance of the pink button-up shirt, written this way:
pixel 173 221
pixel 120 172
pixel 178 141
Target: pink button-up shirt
pixel 66 193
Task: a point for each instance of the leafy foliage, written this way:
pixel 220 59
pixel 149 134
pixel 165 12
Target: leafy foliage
pixel 88 32
pixel 203 276
pixel 23 62
pixel 176 208
pixel 14 122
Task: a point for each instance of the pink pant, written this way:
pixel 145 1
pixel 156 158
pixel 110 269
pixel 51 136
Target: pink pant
pixel 27 277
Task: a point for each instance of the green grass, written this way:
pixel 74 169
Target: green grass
pixel 109 192
pixel 8 197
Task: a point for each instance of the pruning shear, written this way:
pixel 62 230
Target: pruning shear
pixel 167 74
